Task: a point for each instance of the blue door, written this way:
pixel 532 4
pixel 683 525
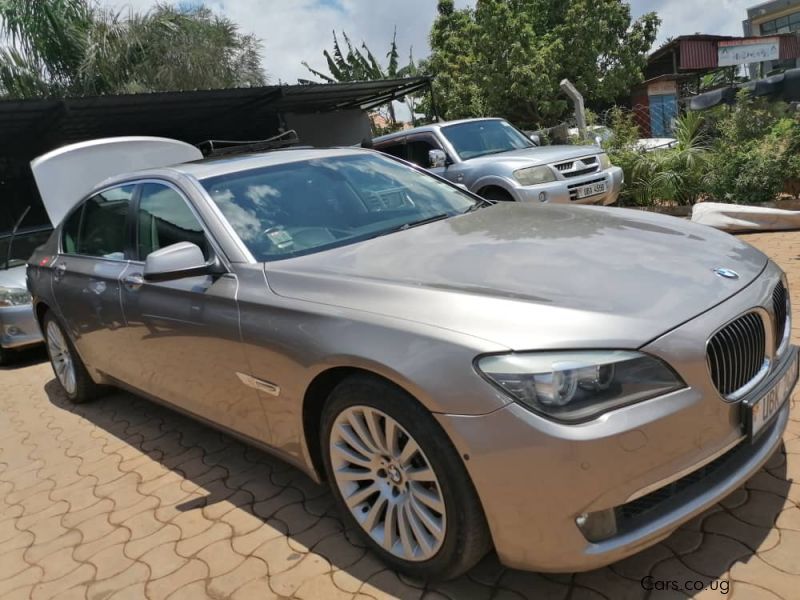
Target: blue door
pixel 663 111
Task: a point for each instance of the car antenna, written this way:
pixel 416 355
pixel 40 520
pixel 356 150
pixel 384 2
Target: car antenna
pixel 14 233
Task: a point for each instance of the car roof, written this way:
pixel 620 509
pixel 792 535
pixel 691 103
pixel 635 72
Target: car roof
pixel 212 167
pixel 428 128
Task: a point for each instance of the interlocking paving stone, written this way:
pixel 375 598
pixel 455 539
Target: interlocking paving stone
pixel 122 498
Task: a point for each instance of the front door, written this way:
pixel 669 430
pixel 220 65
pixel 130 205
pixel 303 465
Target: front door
pixel 663 111
pixel 418 146
pixel 86 279
pixel 185 332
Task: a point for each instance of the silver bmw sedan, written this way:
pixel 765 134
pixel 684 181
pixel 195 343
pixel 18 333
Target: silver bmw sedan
pixel 566 384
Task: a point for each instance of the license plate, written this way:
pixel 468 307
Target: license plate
pixel 760 412
pixel 592 189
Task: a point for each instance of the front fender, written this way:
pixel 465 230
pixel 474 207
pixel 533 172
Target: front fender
pixel 503 183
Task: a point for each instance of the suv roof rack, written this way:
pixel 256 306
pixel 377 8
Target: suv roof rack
pixel 285 139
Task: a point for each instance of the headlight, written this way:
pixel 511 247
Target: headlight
pixel 605 162
pixel 14 296
pixel 577 386
pixel 534 175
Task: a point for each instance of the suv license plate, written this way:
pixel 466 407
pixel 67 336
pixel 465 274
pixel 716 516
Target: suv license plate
pixel 760 412
pixel 592 190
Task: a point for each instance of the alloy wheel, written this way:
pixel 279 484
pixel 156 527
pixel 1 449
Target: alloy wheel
pixel 387 483
pixel 61 357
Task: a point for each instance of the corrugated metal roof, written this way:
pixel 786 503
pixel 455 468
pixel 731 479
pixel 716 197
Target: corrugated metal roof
pixel 698 54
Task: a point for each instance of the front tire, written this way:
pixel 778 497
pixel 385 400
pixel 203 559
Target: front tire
pixel 69 370
pixel 496 194
pixel 398 480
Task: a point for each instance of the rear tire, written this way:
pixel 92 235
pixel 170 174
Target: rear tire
pixel 68 367
pixel 400 482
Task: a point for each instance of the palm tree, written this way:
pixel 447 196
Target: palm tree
pixel 74 47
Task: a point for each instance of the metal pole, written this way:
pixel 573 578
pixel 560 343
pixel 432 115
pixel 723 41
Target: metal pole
pixel 577 100
pixel 433 101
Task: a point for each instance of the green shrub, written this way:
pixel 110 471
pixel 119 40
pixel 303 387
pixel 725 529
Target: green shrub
pixel 667 176
pixel 753 160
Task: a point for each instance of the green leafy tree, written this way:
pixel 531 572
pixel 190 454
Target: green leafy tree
pixel 74 47
pixel 507 57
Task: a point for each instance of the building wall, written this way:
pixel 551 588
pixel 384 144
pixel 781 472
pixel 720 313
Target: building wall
pixel 339 128
pixel 761 22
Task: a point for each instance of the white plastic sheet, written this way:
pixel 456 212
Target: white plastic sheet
pixel 738 217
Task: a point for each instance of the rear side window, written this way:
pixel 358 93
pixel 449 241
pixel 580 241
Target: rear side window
pixel 165 218
pixel 99 227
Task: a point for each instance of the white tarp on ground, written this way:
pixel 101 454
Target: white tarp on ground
pixel 737 217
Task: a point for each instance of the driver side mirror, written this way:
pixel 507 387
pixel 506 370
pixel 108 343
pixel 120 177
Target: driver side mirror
pixel 535 138
pixel 177 261
pixel 437 159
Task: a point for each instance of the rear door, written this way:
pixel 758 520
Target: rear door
pixel 86 278
pixel 185 332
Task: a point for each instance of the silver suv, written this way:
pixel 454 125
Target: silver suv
pixel 494 159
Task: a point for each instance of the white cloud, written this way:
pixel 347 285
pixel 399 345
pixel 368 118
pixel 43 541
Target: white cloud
pixel 685 17
pixel 296 30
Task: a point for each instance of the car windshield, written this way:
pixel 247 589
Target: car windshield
pixel 479 138
pixel 312 205
pixel 22 246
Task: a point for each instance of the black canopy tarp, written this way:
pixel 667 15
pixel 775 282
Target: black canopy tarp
pixel 783 86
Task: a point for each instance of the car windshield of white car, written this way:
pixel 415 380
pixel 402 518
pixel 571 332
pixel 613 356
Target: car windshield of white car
pixel 312 205
pixel 479 138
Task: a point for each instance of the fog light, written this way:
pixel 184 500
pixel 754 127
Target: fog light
pixel 598 526
pixel 12 331
pixel 542 196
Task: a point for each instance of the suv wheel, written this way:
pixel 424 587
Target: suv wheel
pixel 398 479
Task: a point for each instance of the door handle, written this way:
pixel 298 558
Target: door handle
pixel 134 280
pixel 58 271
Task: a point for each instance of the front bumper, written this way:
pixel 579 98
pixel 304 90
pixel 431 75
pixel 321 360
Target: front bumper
pixel 18 327
pixel 535 477
pixel 562 191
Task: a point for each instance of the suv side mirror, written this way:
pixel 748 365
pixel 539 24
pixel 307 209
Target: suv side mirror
pixel 177 261
pixel 535 138
pixel 437 159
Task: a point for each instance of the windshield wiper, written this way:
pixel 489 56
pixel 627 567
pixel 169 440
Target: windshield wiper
pixel 478 204
pixel 431 219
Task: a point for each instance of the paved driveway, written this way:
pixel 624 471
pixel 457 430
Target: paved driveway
pixel 124 499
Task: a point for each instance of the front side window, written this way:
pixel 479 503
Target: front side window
pixel 312 205
pixel 418 150
pixel 99 227
pixel 479 138
pixel 164 218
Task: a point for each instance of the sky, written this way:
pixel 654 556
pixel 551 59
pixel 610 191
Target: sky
pixel 295 30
